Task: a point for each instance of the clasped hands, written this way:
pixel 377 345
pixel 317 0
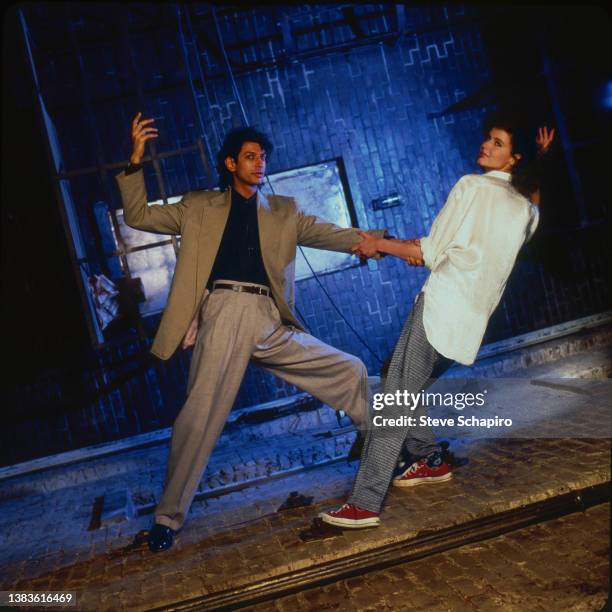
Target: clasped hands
pixel 371 246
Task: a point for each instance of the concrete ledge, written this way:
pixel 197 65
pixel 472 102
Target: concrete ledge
pixel 545 334
pixel 139 441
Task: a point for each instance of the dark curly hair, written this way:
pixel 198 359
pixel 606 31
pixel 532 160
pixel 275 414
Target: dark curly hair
pixel 231 146
pixel 527 172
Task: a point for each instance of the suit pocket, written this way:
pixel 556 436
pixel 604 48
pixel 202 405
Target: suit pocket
pixel 274 312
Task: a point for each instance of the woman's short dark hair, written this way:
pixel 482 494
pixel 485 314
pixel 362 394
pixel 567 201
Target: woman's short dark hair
pixel 527 172
pixel 231 146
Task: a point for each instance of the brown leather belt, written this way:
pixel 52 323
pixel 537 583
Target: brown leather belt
pixel 243 288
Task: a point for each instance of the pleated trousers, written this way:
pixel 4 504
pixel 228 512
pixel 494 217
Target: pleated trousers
pixel 235 329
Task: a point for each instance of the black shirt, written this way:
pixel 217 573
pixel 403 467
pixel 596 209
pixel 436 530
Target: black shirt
pixel 239 255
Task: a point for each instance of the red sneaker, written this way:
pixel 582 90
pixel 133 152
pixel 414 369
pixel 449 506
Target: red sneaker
pixel 350 516
pixel 420 472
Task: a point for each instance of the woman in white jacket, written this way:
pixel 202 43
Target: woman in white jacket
pixel 470 250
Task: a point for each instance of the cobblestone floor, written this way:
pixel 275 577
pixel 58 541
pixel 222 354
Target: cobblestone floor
pixel 250 542
pixel 562 564
pixel 240 538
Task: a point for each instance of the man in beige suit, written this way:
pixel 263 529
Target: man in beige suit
pixel 232 298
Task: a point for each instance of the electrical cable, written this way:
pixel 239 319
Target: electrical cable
pixel 329 297
pixel 229 68
pixel 201 75
pixel 191 82
pixel 337 309
pixel 246 122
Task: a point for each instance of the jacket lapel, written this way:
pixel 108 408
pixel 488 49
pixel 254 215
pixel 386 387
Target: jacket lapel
pixel 269 229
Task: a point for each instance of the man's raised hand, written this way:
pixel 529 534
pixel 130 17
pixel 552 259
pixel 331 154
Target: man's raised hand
pixel 140 134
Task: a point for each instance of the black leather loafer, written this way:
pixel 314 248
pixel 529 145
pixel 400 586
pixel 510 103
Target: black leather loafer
pixel 160 538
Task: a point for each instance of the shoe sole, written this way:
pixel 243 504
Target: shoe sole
pixel 351 524
pixel 426 480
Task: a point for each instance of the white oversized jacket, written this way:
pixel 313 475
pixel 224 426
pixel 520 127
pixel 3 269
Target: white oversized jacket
pixel 470 250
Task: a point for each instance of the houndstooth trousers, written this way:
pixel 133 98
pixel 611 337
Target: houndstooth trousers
pixel 411 367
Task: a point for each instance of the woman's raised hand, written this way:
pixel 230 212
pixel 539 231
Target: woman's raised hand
pixel 544 140
pixel 140 134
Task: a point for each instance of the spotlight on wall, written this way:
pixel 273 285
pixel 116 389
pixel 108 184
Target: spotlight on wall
pixel 389 201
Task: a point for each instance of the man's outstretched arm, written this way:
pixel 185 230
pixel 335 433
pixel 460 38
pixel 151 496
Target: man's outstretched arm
pixel 312 231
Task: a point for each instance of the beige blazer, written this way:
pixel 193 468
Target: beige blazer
pixel 200 219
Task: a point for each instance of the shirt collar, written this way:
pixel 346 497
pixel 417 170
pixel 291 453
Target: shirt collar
pixel 241 200
pixel 506 176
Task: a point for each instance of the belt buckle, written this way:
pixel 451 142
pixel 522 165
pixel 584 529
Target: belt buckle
pixel 237 288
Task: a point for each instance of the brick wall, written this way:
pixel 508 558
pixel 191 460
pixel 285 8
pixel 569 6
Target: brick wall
pixel 368 106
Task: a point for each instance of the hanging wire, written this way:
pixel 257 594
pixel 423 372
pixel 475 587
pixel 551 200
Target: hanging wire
pixel 229 68
pixel 246 122
pixel 201 75
pixel 192 84
pixel 359 337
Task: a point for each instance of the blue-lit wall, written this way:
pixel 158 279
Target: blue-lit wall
pixel 367 105
pixel 370 107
